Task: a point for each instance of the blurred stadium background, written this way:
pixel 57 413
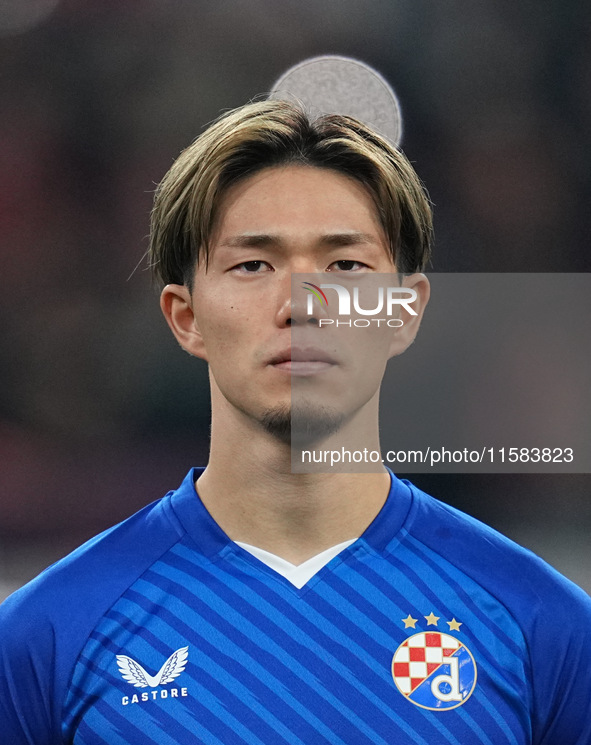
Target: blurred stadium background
pixel 100 412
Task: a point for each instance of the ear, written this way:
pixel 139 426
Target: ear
pixel 405 335
pixel 177 307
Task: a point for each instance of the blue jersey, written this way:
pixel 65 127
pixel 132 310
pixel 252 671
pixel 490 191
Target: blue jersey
pixel 430 628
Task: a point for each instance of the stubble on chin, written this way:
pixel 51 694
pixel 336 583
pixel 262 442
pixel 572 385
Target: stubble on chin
pixel 303 425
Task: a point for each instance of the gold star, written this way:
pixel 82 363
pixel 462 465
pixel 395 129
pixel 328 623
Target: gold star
pixel 409 622
pixel 454 625
pixel 432 619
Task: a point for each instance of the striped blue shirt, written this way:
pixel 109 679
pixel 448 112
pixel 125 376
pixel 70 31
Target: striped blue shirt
pixel 430 628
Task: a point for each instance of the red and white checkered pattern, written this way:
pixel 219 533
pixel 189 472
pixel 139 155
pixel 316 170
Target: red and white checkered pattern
pixel 419 656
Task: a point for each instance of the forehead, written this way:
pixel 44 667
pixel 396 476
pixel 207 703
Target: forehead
pixel 296 200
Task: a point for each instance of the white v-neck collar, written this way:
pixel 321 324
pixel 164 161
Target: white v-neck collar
pixel 297 574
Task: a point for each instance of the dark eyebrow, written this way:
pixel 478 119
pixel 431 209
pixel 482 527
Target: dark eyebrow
pixel 246 240
pixel 353 238
pixel 249 240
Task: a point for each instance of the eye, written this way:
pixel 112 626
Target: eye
pixel 347 265
pixel 252 267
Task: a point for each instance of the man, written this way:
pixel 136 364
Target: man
pixel 259 605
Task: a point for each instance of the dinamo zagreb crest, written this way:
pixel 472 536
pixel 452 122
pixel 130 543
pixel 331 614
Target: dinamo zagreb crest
pixel 434 670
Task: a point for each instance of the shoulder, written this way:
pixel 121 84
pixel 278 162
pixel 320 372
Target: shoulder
pixel 552 613
pixel 514 574
pixel 44 625
pixel 85 580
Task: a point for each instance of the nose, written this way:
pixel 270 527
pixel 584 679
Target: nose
pixel 300 303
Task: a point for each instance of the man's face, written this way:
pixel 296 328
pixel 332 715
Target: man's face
pixel 255 336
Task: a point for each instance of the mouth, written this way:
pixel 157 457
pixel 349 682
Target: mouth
pixel 303 361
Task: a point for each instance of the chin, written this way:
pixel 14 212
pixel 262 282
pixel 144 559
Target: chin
pixel 302 425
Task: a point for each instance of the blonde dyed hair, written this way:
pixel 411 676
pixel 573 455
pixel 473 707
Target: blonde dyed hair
pixel 272 133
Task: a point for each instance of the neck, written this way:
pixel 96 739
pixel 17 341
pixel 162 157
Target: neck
pixel 251 491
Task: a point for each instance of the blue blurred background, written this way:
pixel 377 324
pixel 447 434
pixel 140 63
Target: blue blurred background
pixel 100 412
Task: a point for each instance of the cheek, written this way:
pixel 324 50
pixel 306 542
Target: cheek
pixel 223 326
